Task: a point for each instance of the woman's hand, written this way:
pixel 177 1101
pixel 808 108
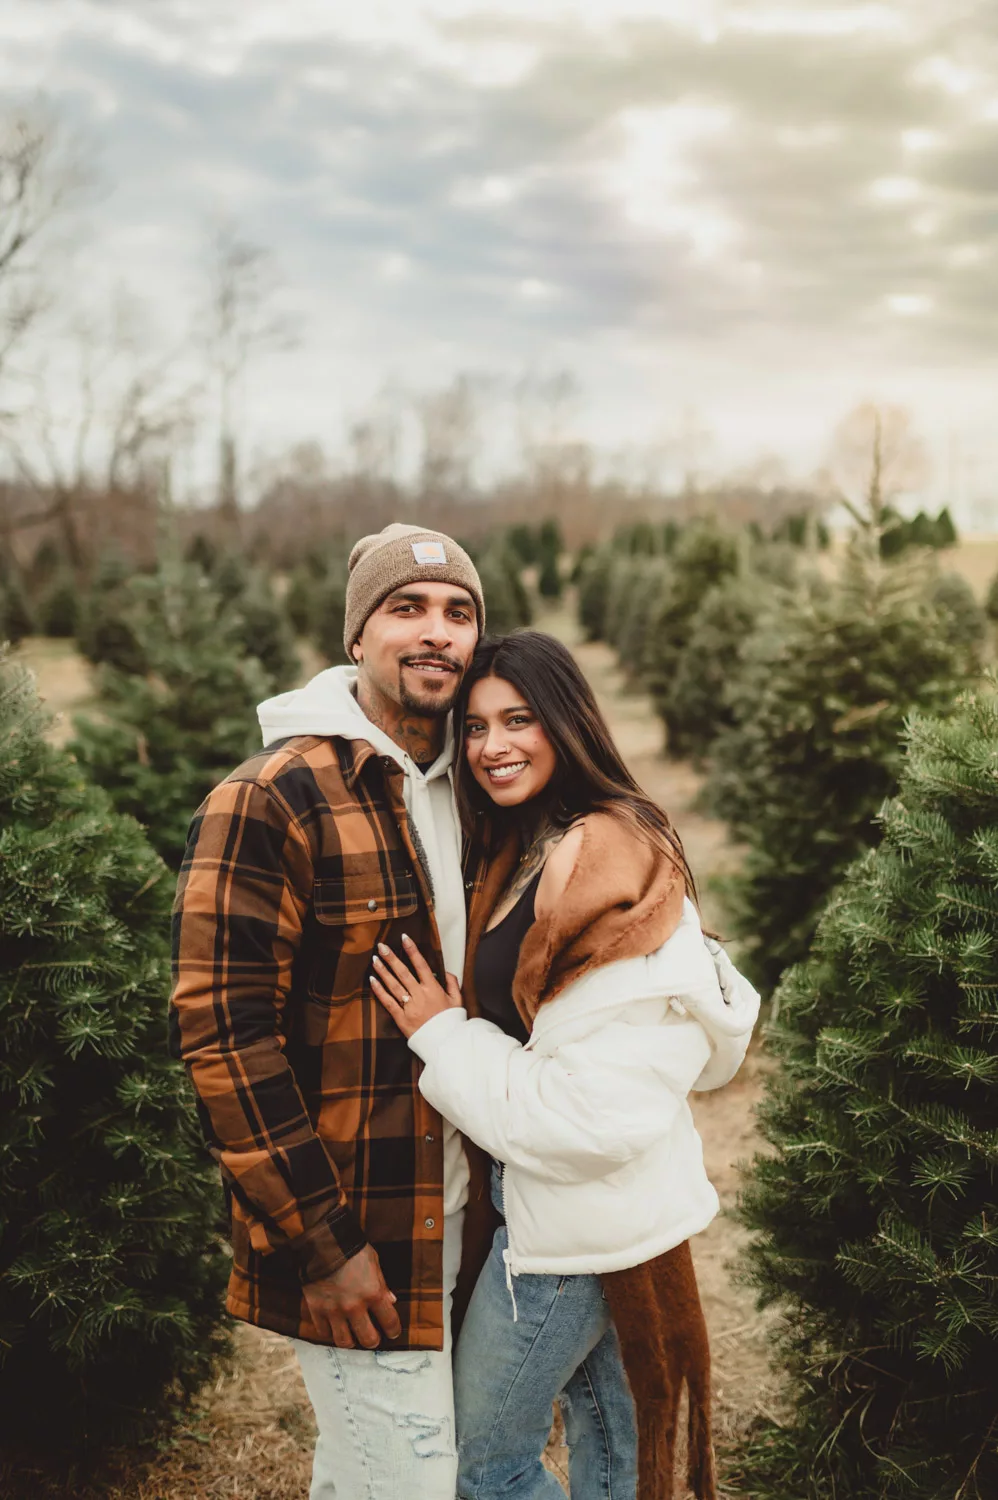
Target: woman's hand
pixel 411 998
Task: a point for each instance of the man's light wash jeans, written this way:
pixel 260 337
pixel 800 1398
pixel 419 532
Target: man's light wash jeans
pixel 385 1418
pixel 507 1374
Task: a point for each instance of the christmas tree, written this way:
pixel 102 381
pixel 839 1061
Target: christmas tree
pixel 595 585
pixel 507 604
pixel 818 705
pixel 106 630
pixel 704 556
pixel 167 734
pixel 16 617
pixel 550 546
pixel 695 706
pixel 111 1275
pixel 697 703
pixel 876 1209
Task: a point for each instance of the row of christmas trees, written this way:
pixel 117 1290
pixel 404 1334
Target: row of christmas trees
pixel 810 697
pixel 789 683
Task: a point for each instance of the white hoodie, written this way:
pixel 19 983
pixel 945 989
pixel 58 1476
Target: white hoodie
pixel 603 1166
pixel 328 706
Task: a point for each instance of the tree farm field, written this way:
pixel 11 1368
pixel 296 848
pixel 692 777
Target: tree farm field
pixel 251 1432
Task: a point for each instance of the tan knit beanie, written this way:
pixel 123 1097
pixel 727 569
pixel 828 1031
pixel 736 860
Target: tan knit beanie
pixel 389 559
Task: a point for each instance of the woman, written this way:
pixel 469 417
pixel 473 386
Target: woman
pixel 591 1007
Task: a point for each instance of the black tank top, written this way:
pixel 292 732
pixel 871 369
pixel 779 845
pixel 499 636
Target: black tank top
pixel 496 960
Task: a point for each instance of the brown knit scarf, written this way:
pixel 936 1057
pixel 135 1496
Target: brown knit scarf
pixel 623 900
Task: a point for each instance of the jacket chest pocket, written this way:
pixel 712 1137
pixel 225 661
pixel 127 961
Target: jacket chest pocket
pixel 353 912
pixel 376 893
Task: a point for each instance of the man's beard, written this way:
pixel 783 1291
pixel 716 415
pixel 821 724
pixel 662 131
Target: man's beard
pixel 432 706
pixel 427 708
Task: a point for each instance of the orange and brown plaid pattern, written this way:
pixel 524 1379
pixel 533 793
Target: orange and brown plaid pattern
pixel 296 867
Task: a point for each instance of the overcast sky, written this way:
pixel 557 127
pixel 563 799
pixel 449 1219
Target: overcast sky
pixel 762 212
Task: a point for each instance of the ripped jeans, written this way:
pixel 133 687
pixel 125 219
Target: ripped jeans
pixel 506 1374
pixel 385 1419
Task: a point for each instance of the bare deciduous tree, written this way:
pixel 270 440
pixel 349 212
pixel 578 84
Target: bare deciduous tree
pixel 558 466
pixel 243 320
pixel 374 440
pixel 37 176
pixel 448 421
pixel 105 414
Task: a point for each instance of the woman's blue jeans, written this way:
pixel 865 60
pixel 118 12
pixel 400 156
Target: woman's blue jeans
pixel 507 1374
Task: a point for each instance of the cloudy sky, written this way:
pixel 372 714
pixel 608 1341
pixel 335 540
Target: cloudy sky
pixel 753 212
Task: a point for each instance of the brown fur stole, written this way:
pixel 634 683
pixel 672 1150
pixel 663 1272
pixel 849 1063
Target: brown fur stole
pixel 623 900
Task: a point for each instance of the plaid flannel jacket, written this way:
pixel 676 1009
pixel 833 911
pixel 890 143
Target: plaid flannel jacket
pixel 296 867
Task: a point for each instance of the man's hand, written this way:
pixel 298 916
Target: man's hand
pixel 342 1305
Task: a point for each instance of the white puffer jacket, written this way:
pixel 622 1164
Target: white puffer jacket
pixel 603 1163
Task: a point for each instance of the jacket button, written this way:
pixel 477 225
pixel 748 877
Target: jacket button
pixel 428 1139
pixel 468 884
pixel 429 1223
pixel 372 905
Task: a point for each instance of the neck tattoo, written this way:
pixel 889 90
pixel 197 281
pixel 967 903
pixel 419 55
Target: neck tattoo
pixel 421 738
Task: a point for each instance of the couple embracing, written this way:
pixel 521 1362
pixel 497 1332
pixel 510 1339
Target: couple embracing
pixel 442 992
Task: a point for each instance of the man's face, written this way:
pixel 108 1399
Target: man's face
pixel 416 646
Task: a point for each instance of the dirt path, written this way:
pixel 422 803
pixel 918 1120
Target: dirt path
pixel 252 1434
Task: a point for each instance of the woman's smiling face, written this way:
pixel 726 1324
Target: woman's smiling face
pixel 509 753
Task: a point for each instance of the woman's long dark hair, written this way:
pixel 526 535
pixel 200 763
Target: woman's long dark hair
pixel 590 775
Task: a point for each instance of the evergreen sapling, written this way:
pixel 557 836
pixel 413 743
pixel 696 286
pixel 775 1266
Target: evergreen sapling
pixel 111 1272
pixel 876 1209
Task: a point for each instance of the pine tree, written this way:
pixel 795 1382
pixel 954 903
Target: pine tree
pixel 550 546
pixel 636 593
pixel 168 733
pixel 963 618
pixel 507 604
pixel 827 681
pixel 16 618
pixel 330 607
pixel 696 705
pixel 111 1274
pixel 703 557
pixel 59 607
pixel 549 582
pixel 876 1208
pixel 106 630
pixel 595 584
pixel 266 631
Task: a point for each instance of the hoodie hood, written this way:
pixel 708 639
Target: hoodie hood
pixel 327 706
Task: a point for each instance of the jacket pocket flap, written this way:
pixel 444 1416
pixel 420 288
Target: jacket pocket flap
pixel 378 897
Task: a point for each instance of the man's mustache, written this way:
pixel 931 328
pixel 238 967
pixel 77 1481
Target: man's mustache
pixel 432 656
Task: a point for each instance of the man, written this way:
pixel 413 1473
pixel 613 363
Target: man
pixel 346 1189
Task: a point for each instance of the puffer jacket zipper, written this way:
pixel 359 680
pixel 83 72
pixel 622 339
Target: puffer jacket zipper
pixel 507 1255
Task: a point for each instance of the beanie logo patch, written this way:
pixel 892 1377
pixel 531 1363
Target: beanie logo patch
pixel 428 553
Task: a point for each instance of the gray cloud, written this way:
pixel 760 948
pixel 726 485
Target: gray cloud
pixel 406 199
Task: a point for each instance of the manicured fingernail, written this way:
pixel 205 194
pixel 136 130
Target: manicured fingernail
pixel 407 939
pixel 384 949
pixel 393 1296
pixel 377 962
